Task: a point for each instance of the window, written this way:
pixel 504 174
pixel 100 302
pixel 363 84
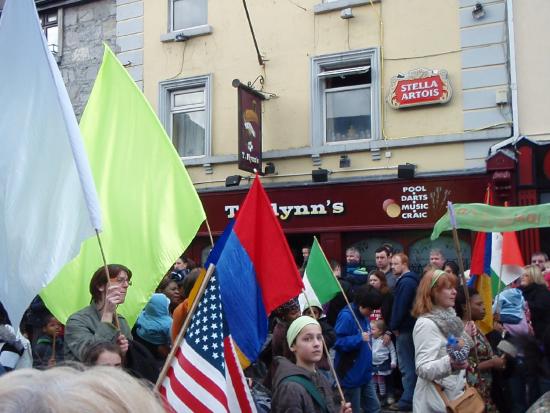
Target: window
pixel 345 98
pixel 185 109
pixel 187 13
pixel 50 23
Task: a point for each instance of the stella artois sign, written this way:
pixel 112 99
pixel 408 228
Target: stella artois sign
pixel 419 87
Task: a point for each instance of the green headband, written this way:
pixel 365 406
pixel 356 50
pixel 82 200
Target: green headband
pixel 297 326
pixel 435 277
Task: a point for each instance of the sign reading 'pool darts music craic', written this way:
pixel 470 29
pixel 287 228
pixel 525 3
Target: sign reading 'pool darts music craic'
pixel 417 202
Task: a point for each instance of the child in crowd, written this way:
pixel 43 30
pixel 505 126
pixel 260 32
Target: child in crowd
pixel 286 314
pixel 104 354
pixel 297 387
pixel 314 309
pixel 353 360
pixel 384 360
pixel 48 350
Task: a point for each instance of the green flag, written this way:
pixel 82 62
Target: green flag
pixel 319 282
pixel 151 211
pixel 488 218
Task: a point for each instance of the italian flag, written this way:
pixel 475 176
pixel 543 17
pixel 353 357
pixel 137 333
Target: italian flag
pixel 320 284
pixel 496 262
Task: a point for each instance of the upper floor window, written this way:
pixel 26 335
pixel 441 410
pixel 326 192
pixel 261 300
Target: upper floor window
pixel 50 23
pixel 345 97
pixel 188 13
pixel 185 110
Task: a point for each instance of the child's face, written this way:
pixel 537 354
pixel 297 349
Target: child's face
pixel 53 327
pixel 316 312
pixel 108 358
pixel 308 347
pixel 376 332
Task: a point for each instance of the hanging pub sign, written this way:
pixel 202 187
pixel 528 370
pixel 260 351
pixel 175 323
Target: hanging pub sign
pixel 419 87
pixel 250 128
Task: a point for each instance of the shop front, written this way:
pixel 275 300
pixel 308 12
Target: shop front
pixel 364 214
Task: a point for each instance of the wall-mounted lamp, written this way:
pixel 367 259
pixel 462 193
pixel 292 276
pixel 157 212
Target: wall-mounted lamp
pixel 346 13
pixel 319 175
pixel 233 180
pixel 345 161
pixel 269 168
pixel 406 171
pixel 478 11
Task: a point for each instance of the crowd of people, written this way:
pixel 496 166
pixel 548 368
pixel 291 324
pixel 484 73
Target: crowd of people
pixel 392 339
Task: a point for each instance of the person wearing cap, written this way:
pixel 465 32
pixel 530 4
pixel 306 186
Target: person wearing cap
pixel 297 385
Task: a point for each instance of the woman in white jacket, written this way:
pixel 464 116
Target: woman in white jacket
pixel 436 322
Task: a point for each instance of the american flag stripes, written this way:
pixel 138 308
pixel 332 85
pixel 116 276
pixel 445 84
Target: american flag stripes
pixel 205 375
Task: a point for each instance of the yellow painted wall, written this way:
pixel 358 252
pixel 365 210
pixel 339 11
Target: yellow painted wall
pixel 416 33
pixel 533 66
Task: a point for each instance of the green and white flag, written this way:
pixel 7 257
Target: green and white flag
pixel 319 282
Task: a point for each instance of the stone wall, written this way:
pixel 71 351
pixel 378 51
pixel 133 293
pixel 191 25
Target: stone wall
pixel 85 28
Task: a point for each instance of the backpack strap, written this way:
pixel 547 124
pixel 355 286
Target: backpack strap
pixel 311 389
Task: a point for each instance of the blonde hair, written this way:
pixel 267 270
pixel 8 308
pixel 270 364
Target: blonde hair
pixel 70 389
pixel 534 274
pixel 432 282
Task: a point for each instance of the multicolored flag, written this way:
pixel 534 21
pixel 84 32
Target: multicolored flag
pixel 150 207
pixel 205 375
pixel 320 285
pixel 48 201
pixel 256 272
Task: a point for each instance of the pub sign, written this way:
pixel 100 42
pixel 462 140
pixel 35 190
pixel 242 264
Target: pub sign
pixel 419 87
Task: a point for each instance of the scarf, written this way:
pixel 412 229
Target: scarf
pixel 447 321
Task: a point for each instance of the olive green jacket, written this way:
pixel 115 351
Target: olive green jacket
pixel 85 328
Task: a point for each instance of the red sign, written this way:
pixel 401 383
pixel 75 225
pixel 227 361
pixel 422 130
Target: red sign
pixel 417 203
pixel 419 87
pixel 250 129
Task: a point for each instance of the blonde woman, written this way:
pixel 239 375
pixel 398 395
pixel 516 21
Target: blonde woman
pixel 67 389
pixel 436 323
pixel 537 296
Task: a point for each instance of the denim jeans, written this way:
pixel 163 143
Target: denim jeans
pixel 363 397
pixel 405 359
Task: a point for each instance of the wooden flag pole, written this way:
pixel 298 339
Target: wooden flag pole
pixel 499 287
pixel 185 326
pixel 460 261
pixel 209 232
pixel 52 358
pixel 108 276
pixel 325 348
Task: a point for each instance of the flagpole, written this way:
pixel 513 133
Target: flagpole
pixel 499 286
pixel 332 370
pixel 181 334
pixel 209 231
pixel 460 261
pixel 107 275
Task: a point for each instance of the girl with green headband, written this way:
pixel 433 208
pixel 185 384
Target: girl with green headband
pixel 297 385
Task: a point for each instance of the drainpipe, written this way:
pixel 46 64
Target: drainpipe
pixel 513 79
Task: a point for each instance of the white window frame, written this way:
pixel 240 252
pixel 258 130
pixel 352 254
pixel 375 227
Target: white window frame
pixel 171 17
pixel 168 88
pixel 320 64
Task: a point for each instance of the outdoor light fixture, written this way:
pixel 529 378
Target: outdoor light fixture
pixel 180 37
pixel 478 11
pixel 345 161
pixel 406 171
pixel 269 168
pixel 319 175
pixel 233 180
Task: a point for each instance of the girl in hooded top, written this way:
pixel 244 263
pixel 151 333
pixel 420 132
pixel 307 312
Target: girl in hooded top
pixel 298 386
pixel 153 326
pixel 435 362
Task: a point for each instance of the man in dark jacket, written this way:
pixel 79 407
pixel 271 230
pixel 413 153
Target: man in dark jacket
pixel 402 324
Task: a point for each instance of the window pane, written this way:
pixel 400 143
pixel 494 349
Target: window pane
pixel 189 98
pixel 51 18
pixel 189 13
pixel 188 132
pixel 52 35
pixel 348 115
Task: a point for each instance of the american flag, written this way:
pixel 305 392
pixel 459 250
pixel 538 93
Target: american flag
pixel 205 375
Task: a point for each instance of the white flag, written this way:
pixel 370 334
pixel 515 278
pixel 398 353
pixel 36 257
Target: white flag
pixel 48 202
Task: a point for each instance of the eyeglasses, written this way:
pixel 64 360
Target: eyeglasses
pixel 122 280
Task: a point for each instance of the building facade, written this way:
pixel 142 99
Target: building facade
pixel 359 89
